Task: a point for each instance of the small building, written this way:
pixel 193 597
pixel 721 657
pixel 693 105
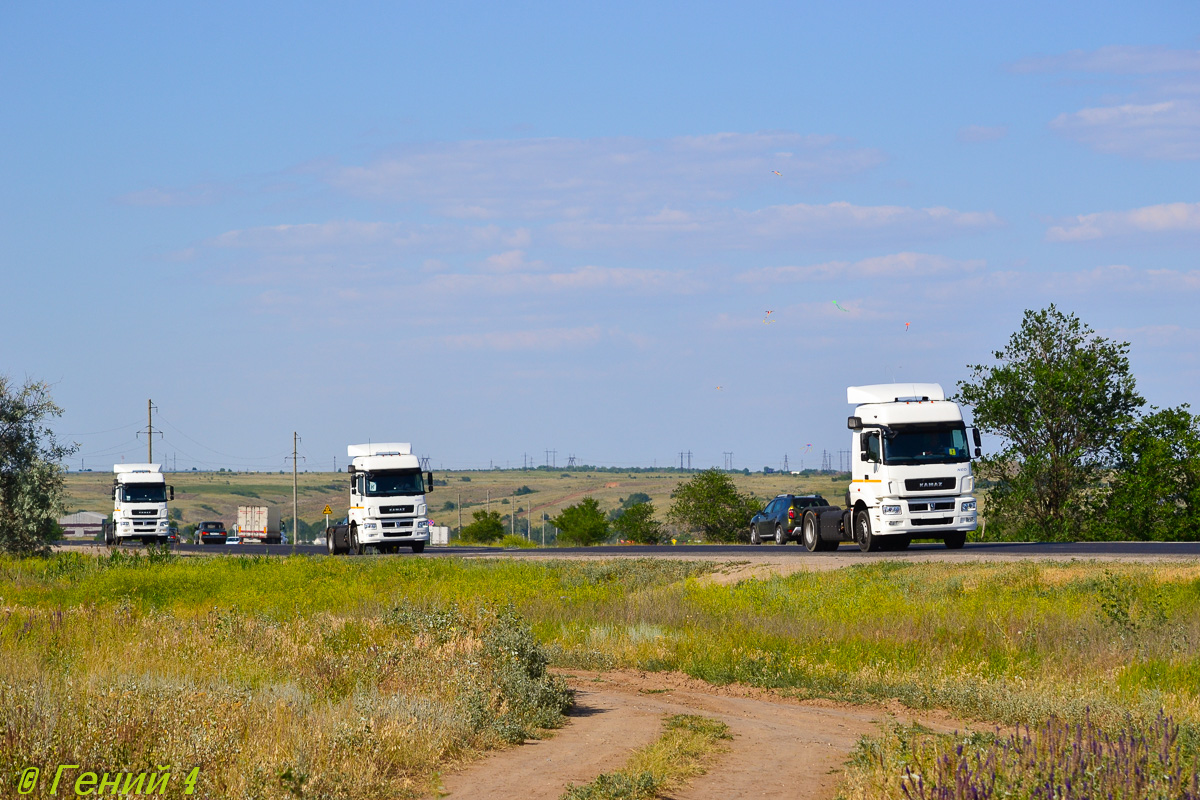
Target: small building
pixel 84 524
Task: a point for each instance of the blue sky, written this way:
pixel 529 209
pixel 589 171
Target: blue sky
pixel 497 229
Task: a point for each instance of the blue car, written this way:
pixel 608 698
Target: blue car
pixel 781 519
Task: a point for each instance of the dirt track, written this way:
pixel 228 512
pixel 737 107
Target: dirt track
pixel 781 748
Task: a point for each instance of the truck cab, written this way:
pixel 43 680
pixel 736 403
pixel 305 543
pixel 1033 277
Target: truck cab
pixel 910 466
pixel 140 494
pixel 387 501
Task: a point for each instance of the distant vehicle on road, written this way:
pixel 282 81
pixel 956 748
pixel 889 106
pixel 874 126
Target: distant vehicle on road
pixel 211 533
pixel 233 538
pixel 140 494
pixel 781 518
pixel 258 525
pixel 910 464
pixel 387 501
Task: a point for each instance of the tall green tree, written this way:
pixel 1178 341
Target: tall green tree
pixel 637 524
pixel 582 524
pixel 31 472
pixel 1155 488
pixel 711 504
pixel 487 527
pixel 1060 398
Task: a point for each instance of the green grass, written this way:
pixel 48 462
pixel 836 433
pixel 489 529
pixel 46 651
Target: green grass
pixel 668 762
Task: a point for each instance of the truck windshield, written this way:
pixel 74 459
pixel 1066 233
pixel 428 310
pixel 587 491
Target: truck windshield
pixel 145 493
pixel 395 482
pixel 942 443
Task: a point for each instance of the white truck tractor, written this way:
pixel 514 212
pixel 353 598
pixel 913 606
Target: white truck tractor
pixel 910 472
pixel 140 494
pixel 387 501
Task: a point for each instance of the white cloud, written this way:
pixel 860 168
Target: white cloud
pixel 158 197
pixel 902 266
pixel 540 339
pixel 982 133
pixel 1167 218
pixel 587 278
pixel 802 219
pixel 1168 130
pixel 560 177
pixel 1115 59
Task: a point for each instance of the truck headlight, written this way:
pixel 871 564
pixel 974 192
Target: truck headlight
pixel 968 505
pixel 162 523
pixel 369 525
pixel 891 509
pixel 422 523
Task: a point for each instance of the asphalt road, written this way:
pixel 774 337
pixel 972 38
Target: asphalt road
pixel 1026 549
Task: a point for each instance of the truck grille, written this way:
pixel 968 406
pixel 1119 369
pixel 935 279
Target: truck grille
pixel 933 521
pixel 144 512
pixel 928 484
pixel 395 509
pixel 399 523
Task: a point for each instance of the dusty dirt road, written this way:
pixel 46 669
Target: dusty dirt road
pixel 781 748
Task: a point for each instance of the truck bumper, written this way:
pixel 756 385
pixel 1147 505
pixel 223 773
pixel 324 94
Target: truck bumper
pixel 393 535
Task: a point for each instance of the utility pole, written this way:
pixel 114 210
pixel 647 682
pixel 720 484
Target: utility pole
pixel 681 459
pixel 150 409
pixel 295 495
pixel 728 460
pixel 571 461
pixel 689 460
pixel 460 512
pixel 512 518
pixel 785 464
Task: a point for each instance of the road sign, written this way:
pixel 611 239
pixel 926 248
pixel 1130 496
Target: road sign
pixel 327 510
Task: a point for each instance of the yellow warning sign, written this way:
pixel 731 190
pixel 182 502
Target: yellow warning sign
pixel 327 510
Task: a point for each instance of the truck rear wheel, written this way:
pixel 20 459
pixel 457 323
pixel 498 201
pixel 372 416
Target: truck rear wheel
pixel 867 541
pixel 812 539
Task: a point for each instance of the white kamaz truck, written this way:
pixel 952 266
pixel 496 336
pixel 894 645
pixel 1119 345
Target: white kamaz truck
pixel 387 501
pixel 140 495
pixel 910 472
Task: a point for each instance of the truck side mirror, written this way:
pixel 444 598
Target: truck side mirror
pixel 172 488
pixel 428 482
pixel 978 452
pixel 114 493
pixel 975 434
pixel 854 423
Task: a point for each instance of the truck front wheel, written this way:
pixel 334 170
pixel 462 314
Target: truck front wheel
pixel 867 541
pixel 330 541
pixel 418 547
pixel 356 547
pixel 955 541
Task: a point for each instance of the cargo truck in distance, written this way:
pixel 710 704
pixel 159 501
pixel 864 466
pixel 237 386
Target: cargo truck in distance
pixel 258 525
pixel 140 495
pixel 910 472
pixel 387 501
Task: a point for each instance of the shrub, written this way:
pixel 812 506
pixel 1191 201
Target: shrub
pixel 582 524
pixel 711 504
pixel 486 528
pixel 637 524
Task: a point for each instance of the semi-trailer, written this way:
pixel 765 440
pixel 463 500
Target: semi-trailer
pixel 387 501
pixel 259 525
pixel 910 472
pixel 140 495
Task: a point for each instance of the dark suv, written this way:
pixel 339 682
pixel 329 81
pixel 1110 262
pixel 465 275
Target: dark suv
pixel 782 517
pixel 210 533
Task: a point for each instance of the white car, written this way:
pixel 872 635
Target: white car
pixel 233 538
